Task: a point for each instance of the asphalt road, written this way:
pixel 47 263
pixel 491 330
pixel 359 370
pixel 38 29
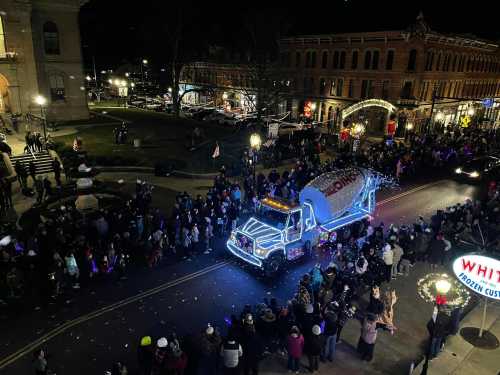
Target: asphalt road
pixel 104 324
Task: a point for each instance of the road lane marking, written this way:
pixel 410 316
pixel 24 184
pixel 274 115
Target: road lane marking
pixel 408 192
pixel 84 318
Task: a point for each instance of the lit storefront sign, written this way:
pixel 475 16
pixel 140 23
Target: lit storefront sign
pixel 479 273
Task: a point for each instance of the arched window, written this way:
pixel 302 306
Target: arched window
pixel 368 59
pixel 376 55
pixel 322 86
pixel 429 60
pixel 324 60
pixel 3 51
pixel 467 69
pixel 412 60
pixel 51 38
pixel 313 59
pixel 336 58
pixel 342 60
pixel 389 61
pixel 57 91
pixel 354 60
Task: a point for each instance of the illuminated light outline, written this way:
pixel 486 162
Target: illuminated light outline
pixel 367 103
pixel 248 258
pixel 287 226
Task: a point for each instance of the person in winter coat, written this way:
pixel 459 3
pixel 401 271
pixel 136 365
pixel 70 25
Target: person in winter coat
pixel 160 356
pixel 436 250
pixel 145 356
pixel 295 347
pixel 40 362
pixel 397 254
pixel 176 359
pixel 252 348
pixel 316 279
pixel 388 258
pixel 231 351
pixel 330 333
pixel 210 342
pixel 376 306
pixel 267 327
pixel 439 326
pixel 366 343
pixel 314 344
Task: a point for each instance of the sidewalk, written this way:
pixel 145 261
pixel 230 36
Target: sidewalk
pixel 461 358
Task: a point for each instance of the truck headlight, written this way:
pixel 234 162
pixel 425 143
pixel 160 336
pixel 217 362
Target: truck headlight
pixel 458 170
pixel 232 237
pixel 474 174
pixel 261 252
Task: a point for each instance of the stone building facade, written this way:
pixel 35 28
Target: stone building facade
pixel 40 54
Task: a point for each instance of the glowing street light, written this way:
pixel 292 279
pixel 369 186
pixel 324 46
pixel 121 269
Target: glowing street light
pixel 88 78
pixel 127 74
pixel 110 81
pixel 440 116
pixel 443 286
pixel 132 84
pixel 255 141
pixel 42 101
pixel 145 62
pixel 409 126
pixel 471 111
pixel 225 96
pixel 313 106
pixel 170 89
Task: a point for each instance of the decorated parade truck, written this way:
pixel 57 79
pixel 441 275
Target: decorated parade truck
pixel 281 232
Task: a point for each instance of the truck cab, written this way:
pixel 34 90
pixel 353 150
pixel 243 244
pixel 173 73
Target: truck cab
pixel 277 232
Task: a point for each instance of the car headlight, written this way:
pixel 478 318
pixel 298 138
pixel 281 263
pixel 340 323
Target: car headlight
pixel 474 174
pixel 458 170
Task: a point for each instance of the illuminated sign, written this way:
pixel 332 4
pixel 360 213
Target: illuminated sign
pixel 479 273
pixel 342 182
pixel 308 109
pixel 488 102
pixel 465 121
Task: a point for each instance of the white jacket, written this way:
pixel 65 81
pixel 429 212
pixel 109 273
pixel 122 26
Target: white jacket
pixel 231 352
pixel 388 257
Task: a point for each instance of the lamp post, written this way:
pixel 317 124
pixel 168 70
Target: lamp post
pixel 144 62
pixel 255 143
pixel 42 101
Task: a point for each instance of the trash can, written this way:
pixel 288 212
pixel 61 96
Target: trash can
pixel 137 143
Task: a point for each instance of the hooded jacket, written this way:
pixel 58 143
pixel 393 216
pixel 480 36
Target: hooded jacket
pixel 231 352
pixel 295 345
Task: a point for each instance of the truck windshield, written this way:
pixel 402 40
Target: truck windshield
pixel 272 217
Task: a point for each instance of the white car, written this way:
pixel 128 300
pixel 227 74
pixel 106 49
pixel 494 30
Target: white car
pixel 289 128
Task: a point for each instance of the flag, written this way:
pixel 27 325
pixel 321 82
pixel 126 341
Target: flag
pixel 216 153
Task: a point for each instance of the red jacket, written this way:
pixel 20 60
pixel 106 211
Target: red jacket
pixel 295 345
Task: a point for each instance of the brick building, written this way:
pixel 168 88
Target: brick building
pixel 401 68
pixel 40 53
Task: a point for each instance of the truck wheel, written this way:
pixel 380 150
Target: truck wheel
pixel 308 249
pixel 273 265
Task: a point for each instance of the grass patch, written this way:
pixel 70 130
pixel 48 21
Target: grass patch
pixel 164 139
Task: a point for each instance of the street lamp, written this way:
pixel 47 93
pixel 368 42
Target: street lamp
pixel 144 62
pixel 255 142
pixel 471 111
pixel 439 116
pixel 88 78
pixel 42 101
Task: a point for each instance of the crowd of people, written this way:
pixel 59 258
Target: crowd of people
pixel 67 251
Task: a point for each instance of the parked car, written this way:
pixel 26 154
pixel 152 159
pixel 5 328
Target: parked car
pixel 289 128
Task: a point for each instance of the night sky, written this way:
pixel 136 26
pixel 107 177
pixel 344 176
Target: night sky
pixel 115 32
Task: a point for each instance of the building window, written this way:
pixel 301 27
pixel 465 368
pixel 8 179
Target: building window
pixel 308 59
pixel 324 60
pixel 57 91
pixel 51 38
pixel 412 60
pixel 350 90
pixel 336 57
pixel 340 86
pixel 354 61
pixel 332 88
pixel 306 84
pixel 429 60
pixel 389 62
pixel 313 59
pixel 342 60
pixel 366 89
pixel 376 55
pixel 368 59
pixel 385 89
pixel 322 86
pixel 406 92
pixel 454 65
pixel 438 63
pixel 297 59
pixel 3 51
